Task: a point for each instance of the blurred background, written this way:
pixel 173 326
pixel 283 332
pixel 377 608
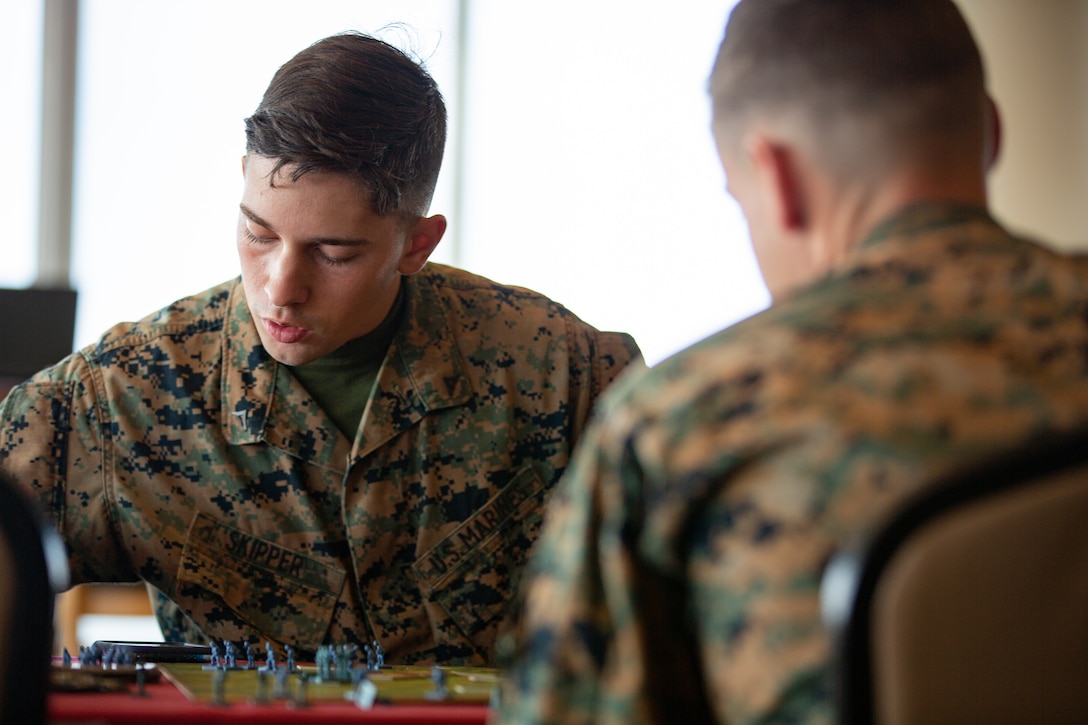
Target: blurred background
pixel 580 162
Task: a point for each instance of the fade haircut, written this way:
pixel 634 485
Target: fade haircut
pixel 356 105
pixel 863 74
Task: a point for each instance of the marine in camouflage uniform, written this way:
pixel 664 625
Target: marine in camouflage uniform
pixel 177 452
pixel 677 576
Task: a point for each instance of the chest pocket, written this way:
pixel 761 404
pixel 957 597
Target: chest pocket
pixel 274 588
pixel 473 573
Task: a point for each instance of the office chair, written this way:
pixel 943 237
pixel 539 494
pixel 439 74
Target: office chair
pixel 33 567
pixel 38 326
pixel 970 605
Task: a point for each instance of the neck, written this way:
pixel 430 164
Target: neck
pixel 852 212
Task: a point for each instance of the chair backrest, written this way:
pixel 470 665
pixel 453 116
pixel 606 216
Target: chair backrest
pixel 970 605
pixel 38 327
pixel 32 569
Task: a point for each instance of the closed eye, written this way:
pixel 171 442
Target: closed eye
pixel 251 237
pixel 332 261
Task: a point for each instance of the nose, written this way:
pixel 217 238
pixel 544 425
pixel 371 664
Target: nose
pixel 286 283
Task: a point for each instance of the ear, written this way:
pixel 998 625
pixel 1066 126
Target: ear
pixel 993 134
pixel 778 174
pixel 423 237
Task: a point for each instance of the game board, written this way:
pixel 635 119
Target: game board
pixel 395 684
pixel 71 678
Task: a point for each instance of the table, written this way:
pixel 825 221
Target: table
pixel 164 704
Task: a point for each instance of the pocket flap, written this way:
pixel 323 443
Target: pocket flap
pixel 277 589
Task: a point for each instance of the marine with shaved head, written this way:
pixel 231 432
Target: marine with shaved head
pixel 910 334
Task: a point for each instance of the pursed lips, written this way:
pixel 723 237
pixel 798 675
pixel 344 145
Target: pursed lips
pixel 284 333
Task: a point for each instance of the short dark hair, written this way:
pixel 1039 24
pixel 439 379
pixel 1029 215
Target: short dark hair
pixel 353 104
pixel 912 65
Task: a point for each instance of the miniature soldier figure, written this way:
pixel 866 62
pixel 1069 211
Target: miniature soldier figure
pixel 66 659
pixel 262 688
pixel 370 660
pixel 338 660
pixel 270 657
pixel 140 677
pixel 301 699
pixel 214 661
pixel 231 661
pixel 322 661
pixel 334 658
pixel 379 654
pixel 280 691
pixel 344 661
pixel 289 653
pixel 249 654
pixel 438 680
pixel 365 691
pixel 219 687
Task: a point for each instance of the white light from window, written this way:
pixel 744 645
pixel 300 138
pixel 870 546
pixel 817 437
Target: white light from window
pixel 20 89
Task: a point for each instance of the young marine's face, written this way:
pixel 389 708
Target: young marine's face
pixel 318 266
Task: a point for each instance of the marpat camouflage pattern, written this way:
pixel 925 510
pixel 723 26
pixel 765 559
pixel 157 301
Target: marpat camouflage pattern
pixel 177 452
pixel 677 576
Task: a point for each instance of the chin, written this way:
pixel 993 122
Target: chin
pixel 298 358
pixel 289 354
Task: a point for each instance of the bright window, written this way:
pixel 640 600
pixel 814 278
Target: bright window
pixel 20 89
pixel 592 175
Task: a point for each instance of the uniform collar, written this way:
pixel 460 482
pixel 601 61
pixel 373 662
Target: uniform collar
pixel 423 371
pixel 924 217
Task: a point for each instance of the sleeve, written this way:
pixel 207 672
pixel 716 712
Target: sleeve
pixel 51 444
pixel 655 596
pixel 615 352
pixel 597 360
pixel 579 621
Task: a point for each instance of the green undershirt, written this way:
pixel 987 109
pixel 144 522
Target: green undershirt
pixel 341 381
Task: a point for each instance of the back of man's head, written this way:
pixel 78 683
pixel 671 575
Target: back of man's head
pixel 354 104
pixel 868 82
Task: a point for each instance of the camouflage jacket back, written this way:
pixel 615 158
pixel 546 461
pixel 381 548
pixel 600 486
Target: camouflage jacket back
pixel 177 452
pixel 677 577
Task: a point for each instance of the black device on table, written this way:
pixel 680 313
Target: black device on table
pixel 159 651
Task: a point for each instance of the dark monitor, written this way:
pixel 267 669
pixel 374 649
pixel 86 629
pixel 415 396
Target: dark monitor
pixel 37 329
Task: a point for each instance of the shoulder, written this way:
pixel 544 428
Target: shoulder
pixel 682 390
pixel 477 304
pixel 479 297
pixel 733 393
pixel 190 326
pixel 919 311
pixel 950 248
